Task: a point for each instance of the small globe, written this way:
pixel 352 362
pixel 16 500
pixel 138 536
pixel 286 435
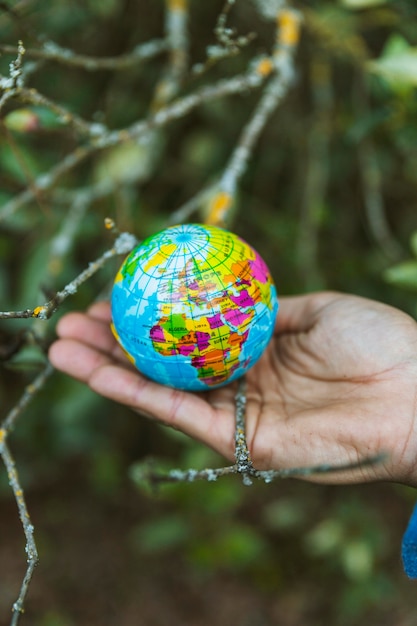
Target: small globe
pixel 193 307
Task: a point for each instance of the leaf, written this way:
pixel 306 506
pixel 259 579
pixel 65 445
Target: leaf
pixel 22 120
pixel 161 534
pixel 357 559
pixel 403 275
pixel 397 63
pixel 361 4
pixel 129 161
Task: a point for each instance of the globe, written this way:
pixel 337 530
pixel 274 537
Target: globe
pixel 193 307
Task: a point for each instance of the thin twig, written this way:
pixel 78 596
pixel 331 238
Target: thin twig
pixel 179 108
pixel 53 52
pixel 45 181
pixel 144 474
pixel 33 97
pixel 31 550
pixel 373 199
pixel 14 82
pixel 315 178
pixel 123 244
pixel 176 34
pixel 6 427
pixel 281 65
pixel 26 397
pixel 243 461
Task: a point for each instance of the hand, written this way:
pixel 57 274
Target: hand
pixel 338 383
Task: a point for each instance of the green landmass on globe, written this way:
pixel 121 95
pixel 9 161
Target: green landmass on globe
pixel 194 307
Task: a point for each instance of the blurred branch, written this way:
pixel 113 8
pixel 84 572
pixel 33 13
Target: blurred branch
pixel 371 178
pixel 14 81
pixel 53 52
pixel 6 427
pixel 316 174
pixel 176 35
pixel 28 529
pixel 27 395
pixel 33 97
pixel 177 109
pixel 229 42
pixel 123 245
pixel 332 41
pixel 374 202
pixel 281 66
pixel 45 181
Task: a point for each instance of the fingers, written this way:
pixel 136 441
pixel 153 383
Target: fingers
pixel 100 311
pixel 77 359
pixel 86 329
pixel 88 352
pixel 187 412
pixel 92 329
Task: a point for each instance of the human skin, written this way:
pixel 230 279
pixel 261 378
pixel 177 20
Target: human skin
pixel 337 384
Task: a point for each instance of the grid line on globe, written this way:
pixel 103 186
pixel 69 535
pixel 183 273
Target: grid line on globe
pixel 194 307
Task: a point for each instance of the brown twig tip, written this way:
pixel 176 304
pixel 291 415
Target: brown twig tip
pixel 110 225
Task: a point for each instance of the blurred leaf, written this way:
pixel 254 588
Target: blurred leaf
pixel 360 597
pixel 361 4
pixel 284 514
pixel 129 161
pixel 53 618
pixel 326 537
pixel 357 559
pixel 22 120
pixel 161 534
pixel 403 275
pixel 235 548
pixel 20 164
pixel 397 63
pixel 72 417
pixel 28 358
pixel 33 273
pixel 106 471
pixel 103 8
pixel 367 124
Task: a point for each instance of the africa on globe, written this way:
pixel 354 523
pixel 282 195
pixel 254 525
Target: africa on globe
pixel 193 307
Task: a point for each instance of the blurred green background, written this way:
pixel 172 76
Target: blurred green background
pixel 329 201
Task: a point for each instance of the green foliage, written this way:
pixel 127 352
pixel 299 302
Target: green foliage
pixel 397 64
pixel 404 274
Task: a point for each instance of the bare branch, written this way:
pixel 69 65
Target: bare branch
pixel 176 110
pixel 53 52
pixel 28 529
pixel 26 397
pixel 123 244
pixel 33 97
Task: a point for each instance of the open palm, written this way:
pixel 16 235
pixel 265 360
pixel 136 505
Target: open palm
pixel 337 383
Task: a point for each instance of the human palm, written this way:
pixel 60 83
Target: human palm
pixel 337 384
